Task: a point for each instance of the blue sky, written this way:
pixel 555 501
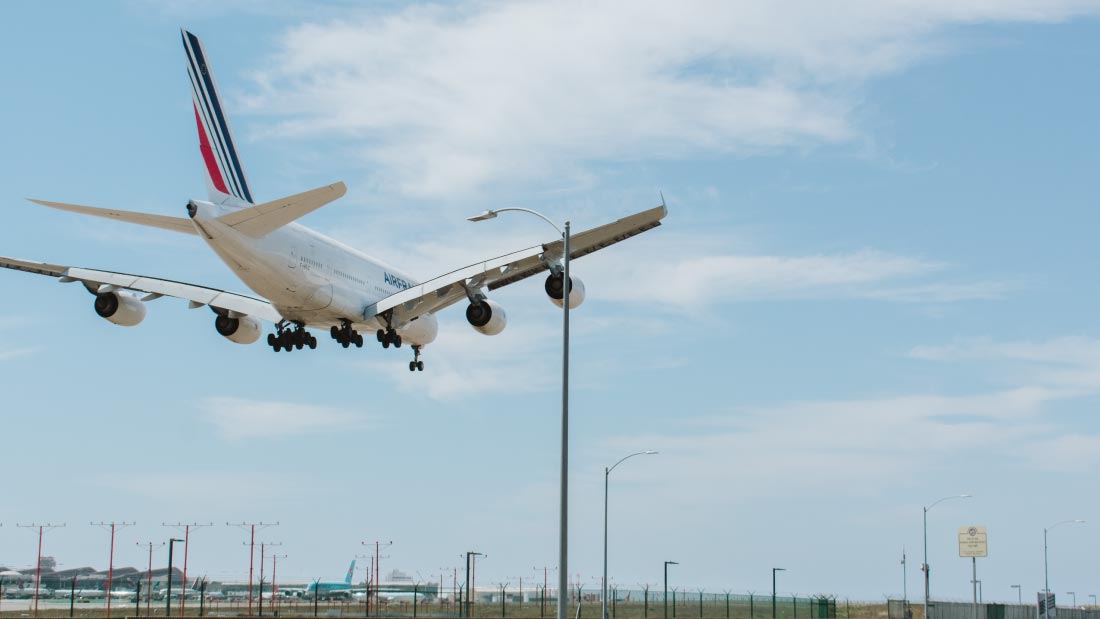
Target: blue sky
pixel 873 289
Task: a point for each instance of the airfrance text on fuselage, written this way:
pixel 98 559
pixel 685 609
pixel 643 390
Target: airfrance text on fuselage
pixel 396 282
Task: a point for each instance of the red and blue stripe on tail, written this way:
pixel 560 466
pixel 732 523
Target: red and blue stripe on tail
pixel 224 174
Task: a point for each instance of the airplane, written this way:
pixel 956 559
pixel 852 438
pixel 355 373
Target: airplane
pixel 305 280
pixel 328 590
pixel 80 594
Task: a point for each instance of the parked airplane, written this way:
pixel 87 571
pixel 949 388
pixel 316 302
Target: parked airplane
pixel 308 280
pixel 80 594
pixel 328 590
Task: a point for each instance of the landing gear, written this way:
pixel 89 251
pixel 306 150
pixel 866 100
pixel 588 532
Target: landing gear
pixel 387 337
pixel 288 339
pixel 416 365
pixel 346 336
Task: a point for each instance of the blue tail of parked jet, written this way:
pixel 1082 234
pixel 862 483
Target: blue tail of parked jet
pixel 351 572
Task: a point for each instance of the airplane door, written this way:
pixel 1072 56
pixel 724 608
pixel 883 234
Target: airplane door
pixel 293 258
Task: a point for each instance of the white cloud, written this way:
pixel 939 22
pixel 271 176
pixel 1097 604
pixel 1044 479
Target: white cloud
pixel 463 363
pixel 1070 363
pixel 237 418
pixel 17 353
pixel 451 98
pixel 690 276
pixel 869 442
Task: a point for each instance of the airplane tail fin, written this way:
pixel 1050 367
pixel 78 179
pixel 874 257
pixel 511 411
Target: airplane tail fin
pixel 351 571
pixel 225 179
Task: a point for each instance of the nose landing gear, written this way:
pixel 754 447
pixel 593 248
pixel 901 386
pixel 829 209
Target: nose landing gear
pixel 416 365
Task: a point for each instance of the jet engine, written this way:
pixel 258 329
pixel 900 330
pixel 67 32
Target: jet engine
pixel 120 307
pixel 243 330
pixel 554 290
pixel 421 331
pixel 486 317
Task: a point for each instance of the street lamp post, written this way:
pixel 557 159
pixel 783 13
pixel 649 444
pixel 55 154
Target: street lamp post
pixel 1074 596
pixel 466 604
pixel 1046 573
pixel 168 598
pixel 774 570
pixel 606 477
pixel 1019 594
pixel 667 563
pixel 1093 596
pixel 567 289
pixel 924 566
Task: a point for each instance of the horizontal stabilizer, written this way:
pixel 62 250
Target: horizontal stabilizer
pixel 263 219
pixel 177 224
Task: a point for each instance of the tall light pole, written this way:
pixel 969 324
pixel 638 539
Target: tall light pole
pixel 606 477
pixel 924 566
pixel 1093 596
pixel 111 560
pixel 665 597
pixel 774 570
pixel 42 528
pixel 1046 573
pixel 1019 594
pixel 168 598
pixel 1074 596
pixel 251 526
pixel 466 602
pixel 566 290
pixel 186 545
pixel 148 577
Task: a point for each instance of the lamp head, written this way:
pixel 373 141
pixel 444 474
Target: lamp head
pixel 489 214
pixel 649 452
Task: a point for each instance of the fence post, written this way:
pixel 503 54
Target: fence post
pixel 752 607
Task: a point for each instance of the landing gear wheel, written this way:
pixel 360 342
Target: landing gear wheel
pixel 358 340
pixel 345 343
pixel 381 336
pixel 412 366
pixel 420 366
pixel 312 343
pixel 386 343
pixel 396 340
pixel 334 331
pixel 271 339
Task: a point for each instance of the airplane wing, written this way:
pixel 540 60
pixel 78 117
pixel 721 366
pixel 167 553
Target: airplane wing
pixel 175 224
pixel 436 294
pixel 106 281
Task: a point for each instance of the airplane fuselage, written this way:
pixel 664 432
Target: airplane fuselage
pixel 309 277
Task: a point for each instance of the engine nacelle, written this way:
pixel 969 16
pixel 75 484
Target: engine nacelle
pixel 243 330
pixel 120 307
pixel 421 331
pixel 554 290
pixel 486 317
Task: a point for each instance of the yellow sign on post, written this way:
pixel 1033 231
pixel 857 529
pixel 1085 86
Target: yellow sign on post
pixel 972 542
